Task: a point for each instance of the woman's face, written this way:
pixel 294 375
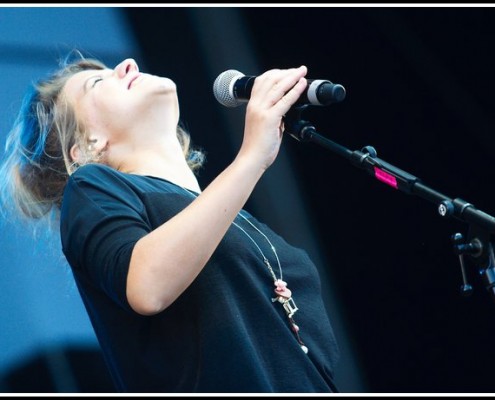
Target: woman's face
pixel 115 103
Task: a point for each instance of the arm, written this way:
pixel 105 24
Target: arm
pixel 188 240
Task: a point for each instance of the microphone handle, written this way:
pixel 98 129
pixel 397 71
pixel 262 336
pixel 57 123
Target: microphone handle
pixel 318 92
pixel 242 88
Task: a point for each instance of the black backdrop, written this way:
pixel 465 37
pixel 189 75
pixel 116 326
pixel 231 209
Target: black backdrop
pixel 420 84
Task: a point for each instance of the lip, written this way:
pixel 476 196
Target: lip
pixel 132 79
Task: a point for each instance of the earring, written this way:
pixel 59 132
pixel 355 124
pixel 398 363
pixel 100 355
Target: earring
pixel 91 145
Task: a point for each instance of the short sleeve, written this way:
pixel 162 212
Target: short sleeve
pixel 101 220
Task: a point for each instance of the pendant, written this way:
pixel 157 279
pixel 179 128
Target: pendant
pixel 284 296
pixel 281 289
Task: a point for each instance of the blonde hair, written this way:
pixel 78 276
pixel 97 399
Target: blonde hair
pixel 37 162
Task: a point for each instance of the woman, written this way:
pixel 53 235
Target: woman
pixel 186 291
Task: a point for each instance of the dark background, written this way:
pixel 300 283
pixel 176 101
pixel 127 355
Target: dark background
pixel 420 84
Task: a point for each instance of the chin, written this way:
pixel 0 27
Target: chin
pixel 168 85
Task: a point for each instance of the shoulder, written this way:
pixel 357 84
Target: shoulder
pixel 99 177
pixel 99 185
pixel 92 171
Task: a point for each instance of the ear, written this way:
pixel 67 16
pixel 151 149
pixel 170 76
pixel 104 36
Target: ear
pixel 76 154
pixel 94 146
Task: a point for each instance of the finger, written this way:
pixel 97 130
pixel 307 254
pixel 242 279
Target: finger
pixel 288 99
pixel 265 82
pixel 288 80
pixel 274 84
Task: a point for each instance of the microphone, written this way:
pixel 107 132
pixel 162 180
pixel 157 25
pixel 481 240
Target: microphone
pixel 232 88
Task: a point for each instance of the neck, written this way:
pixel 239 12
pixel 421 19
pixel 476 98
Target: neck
pixel 162 160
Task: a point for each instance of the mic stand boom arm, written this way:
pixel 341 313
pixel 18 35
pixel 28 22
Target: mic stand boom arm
pixel 482 225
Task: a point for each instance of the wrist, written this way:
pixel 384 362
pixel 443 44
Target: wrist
pixel 249 166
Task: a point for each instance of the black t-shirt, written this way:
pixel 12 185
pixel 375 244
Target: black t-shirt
pixel 224 333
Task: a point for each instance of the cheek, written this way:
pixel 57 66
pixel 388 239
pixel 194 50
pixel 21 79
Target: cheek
pixel 105 114
pixel 87 111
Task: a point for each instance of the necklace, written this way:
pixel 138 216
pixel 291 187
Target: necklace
pixel 283 294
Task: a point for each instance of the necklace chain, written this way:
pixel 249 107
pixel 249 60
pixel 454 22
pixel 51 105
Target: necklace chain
pixel 284 295
pixel 265 260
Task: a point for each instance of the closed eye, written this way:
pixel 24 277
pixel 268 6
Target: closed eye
pixel 96 81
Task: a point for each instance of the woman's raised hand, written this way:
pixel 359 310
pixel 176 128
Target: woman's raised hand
pixel 273 94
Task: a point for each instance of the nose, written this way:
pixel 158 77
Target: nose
pixel 126 66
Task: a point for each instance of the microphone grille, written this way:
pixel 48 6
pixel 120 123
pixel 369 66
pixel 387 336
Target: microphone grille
pixel 223 88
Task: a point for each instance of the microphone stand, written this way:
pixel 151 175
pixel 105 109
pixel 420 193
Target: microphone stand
pixel 478 243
